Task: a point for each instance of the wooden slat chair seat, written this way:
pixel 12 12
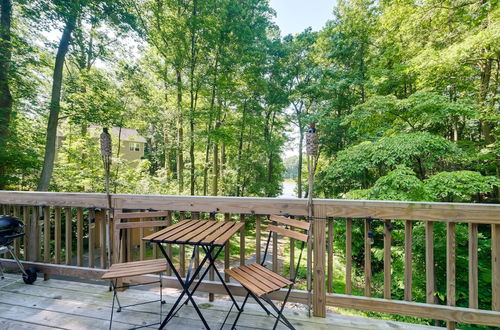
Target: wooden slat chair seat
pixel 258 278
pixel 259 281
pixel 120 270
pixel 135 268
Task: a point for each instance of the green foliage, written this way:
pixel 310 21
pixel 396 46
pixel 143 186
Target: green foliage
pixel 459 186
pixel 359 166
pixel 400 184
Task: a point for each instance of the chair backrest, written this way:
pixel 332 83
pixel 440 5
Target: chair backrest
pixel 289 224
pixel 119 225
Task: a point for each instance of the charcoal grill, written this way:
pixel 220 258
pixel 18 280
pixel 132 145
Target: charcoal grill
pixel 10 229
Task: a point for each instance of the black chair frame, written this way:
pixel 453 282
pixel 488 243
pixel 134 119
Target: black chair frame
pixel 115 287
pixel 279 317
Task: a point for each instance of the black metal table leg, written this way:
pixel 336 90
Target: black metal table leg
pixel 212 264
pixel 185 286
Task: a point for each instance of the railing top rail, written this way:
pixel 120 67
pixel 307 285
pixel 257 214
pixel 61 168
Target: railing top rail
pixel 425 211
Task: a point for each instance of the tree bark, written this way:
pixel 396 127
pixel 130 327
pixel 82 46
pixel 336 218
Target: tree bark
pixel 5 94
pixel 180 134
pixel 483 94
pixel 192 94
pixel 55 101
pixel 240 150
pixel 209 126
pixel 299 167
pixel 215 168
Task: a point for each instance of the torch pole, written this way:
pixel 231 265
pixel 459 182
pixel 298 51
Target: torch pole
pixel 312 152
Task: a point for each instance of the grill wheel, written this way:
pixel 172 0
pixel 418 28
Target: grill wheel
pixel 30 276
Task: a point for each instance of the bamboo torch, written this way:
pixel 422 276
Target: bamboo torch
pixel 312 152
pixel 106 153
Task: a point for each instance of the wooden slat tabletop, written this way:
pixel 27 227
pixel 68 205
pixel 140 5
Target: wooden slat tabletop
pixel 196 232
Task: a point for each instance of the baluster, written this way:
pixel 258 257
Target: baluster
pixel 34 234
pixel 169 246
pixel 495 256
pixel 5 210
pixel 387 258
pixel 91 238
pixel 57 235
pixel 408 260
pixel 17 245
pixel 330 255
pixel 211 273
pixel 69 233
pixel 101 219
pixel 473 266
pixel 27 231
pixel 368 259
pixel 227 263
pixel 292 255
pixel 348 256
pixel 196 216
pixel 258 246
pixel 429 262
pixel 79 237
pixel 275 252
pixel 128 244
pixel 142 244
pixel 154 246
pixel 182 250
pixel 242 240
pixel 450 267
pixel 46 238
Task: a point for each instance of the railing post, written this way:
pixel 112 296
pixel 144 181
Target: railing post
pixel 495 261
pixel 319 248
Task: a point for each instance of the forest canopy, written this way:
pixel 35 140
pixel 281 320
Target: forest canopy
pixel 404 95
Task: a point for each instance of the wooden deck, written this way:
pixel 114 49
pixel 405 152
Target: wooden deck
pixel 61 304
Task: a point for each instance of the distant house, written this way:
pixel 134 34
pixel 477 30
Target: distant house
pixel 132 144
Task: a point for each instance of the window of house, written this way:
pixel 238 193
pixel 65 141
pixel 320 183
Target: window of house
pixel 134 146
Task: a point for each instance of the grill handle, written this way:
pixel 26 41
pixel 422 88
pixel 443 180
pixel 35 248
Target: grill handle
pixel 13 236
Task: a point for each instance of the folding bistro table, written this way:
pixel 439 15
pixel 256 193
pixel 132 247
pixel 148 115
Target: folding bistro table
pixel 211 236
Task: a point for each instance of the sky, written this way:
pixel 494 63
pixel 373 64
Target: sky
pixel 294 16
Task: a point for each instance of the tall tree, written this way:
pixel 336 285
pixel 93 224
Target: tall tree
pixel 69 11
pixel 5 93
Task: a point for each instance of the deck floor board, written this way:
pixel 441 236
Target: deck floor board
pixel 60 304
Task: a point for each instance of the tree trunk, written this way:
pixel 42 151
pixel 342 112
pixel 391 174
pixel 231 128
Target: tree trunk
pixel 483 94
pixel 240 150
pixel 166 150
pixel 215 168
pixel 180 133
pixel 209 126
pixel 299 167
pixel 207 158
pixel 192 94
pixel 222 167
pixel 5 95
pixel 55 100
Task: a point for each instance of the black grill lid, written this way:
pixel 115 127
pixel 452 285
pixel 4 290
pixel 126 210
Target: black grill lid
pixel 10 225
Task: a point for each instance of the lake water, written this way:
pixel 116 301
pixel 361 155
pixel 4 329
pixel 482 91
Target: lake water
pixel 288 189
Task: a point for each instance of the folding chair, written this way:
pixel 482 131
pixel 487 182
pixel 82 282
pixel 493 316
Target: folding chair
pixel 120 269
pixel 260 281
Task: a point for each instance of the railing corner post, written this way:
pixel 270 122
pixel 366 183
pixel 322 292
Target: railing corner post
pixel 319 266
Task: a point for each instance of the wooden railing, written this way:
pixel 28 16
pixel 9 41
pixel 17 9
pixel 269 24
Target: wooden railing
pixel 80 218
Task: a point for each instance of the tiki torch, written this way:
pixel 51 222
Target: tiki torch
pixel 106 153
pixel 312 152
